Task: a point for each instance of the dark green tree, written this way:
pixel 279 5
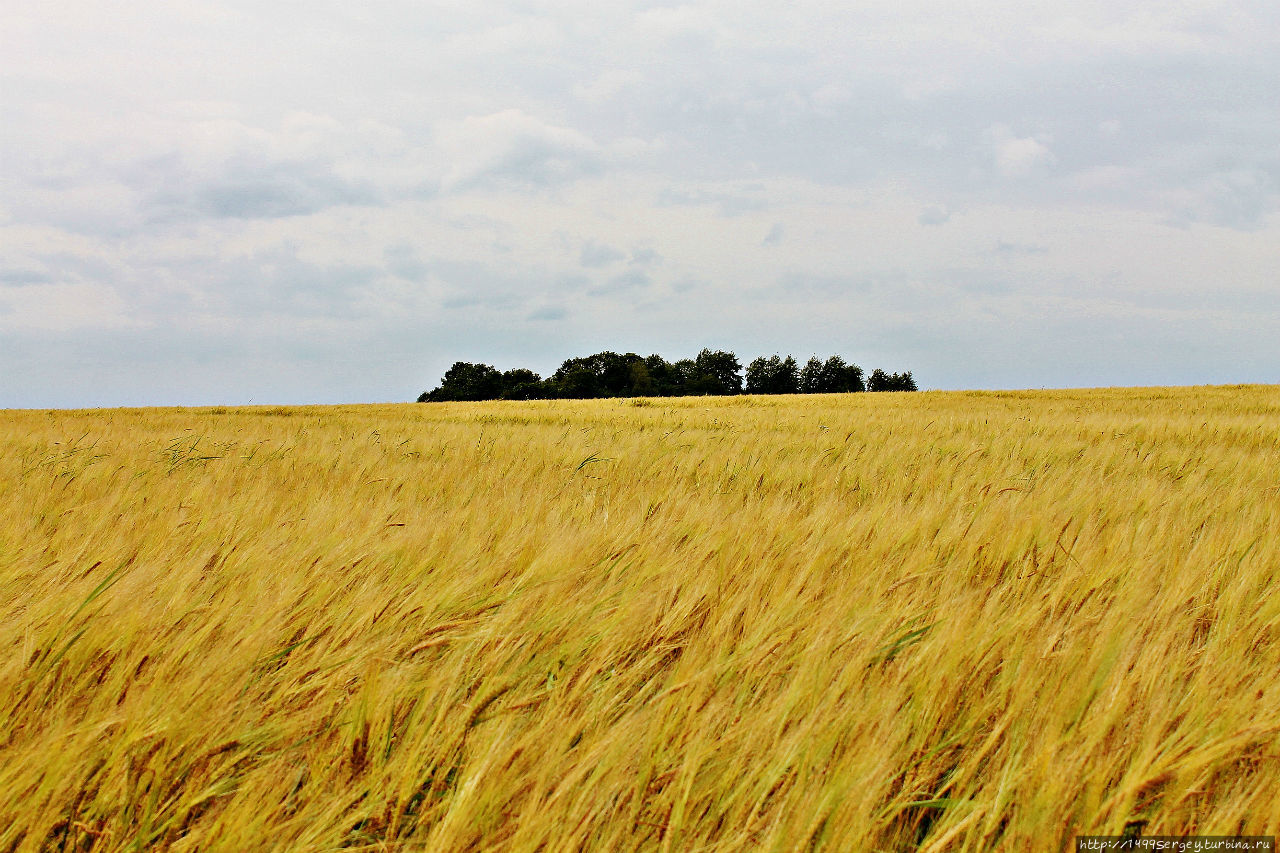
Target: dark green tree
pixel 522 384
pixel 712 372
pixel 881 381
pixel 466 381
pixel 773 375
pixel 685 375
pixel 839 377
pixel 812 380
pixel 642 384
pixel 662 375
pixel 616 373
pixel 575 379
pixel 718 372
pixel 605 374
pixel 833 376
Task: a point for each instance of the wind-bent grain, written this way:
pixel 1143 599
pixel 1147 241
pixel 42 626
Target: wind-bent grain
pixel 962 621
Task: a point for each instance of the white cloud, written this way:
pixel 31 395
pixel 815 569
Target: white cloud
pixel 62 307
pixel 829 98
pixel 1018 157
pixel 608 84
pixel 686 22
pixel 934 215
pixel 512 147
pixel 493 179
pixel 597 255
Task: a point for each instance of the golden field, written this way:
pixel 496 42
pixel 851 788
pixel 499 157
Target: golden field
pixel 934 621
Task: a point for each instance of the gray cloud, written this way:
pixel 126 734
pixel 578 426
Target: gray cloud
pixel 644 257
pixel 629 281
pixel 513 149
pixel 549 312
pixel 595 255
pixel 1005 249
pixel 449 181
pixel 20 277
pixel 248 193
pixel 1239 198
pixel 279 281
pixel 933 215
pixel 729 204
pixel 403 261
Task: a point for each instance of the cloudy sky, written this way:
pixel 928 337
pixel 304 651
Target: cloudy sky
pixel 220 201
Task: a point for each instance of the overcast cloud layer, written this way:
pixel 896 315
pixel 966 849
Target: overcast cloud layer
pixel 224 202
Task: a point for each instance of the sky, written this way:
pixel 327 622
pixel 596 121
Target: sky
pixel 227 202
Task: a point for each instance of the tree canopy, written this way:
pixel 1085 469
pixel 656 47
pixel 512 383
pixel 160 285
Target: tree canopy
pixel 710 373
pixel 881 381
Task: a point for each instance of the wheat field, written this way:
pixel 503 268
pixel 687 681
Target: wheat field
pixel 934 621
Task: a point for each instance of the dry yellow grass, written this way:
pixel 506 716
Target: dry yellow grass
pixel 939 621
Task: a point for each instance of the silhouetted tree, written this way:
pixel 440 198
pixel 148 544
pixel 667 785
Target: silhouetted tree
pixel 642 384
pixel 811 377
pixel 881 381
pixel 718 373
pixel 617 374
pixel 834 376
pixel 842 378
pixel 466 381
pixel 576 378
pixel 684 374
pixel 773 375
pixel 605 374
pixel 712 372
pixel 522 384
pixel 662 375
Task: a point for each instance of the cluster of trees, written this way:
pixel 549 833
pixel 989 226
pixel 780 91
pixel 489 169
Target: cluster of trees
pixel 608 374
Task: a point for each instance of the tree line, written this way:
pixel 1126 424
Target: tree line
pixel 714 373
